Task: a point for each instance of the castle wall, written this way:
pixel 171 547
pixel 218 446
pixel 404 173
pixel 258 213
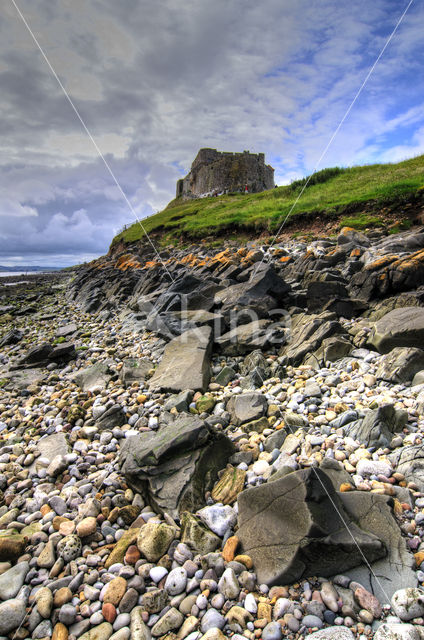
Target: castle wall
pixel 214 172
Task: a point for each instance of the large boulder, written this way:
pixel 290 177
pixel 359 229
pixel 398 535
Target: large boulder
pixel 402 327
pixel 175 465
pixel 378 427
pixel 401 364
pixel 259 334
pixel 264 291
pixel 307 334
pixel 297 526
pixel 185 362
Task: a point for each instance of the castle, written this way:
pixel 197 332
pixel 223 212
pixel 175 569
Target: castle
pixel 214 172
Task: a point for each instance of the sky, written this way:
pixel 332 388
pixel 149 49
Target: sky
pixel 156 80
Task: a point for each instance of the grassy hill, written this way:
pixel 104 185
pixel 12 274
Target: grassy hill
pixel 359 196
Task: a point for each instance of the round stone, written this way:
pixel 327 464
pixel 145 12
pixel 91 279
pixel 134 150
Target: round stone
pixel 87 527
pixel 69 548
pixel 176 581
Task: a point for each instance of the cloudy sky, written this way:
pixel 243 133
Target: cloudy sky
pixel 155 80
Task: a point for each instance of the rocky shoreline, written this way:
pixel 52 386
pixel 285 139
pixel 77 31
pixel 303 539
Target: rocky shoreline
pixel 225 444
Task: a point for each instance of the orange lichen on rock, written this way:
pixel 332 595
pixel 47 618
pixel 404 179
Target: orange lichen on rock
pixel 381 263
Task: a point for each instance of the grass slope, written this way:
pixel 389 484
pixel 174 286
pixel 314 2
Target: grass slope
pixel 333 192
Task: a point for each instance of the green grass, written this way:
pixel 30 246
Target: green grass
pixel 334 192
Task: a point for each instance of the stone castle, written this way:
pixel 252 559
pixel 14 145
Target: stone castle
pixel 214 172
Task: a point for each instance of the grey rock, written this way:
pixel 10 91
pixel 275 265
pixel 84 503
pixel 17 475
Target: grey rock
pixel 402 327
pixel 374 514
pixel 410 461
pixel 12 612
pixel 185 362
pixel 180 401
pixel 172 619
pixel 175 465
pixel 197 535
pixel 401 364
pixel 66 330
pixel 294 527
pixel 408 603
pixel 259 334
pixel 69 547
pixel 399 631
pixel 212 619
pixel 378 427
pixel 272 631
pixel 134 370
pixel 331 633
pixel 95 377
pixel 307 334
pixel 228 585
pixel 246 407
pixel 12 580
pixel 218 518
pixel 111 418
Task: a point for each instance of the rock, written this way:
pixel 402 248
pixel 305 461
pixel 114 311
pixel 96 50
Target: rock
pixel 259 334
pixel 225 376
pixel 400 365
pixel 171 620
pixel 47 557
pixel 51 446
pixel 155 600
pixel 11 337
pixel 246 407
pixel 212 619
pixel 307 334
pixel 87 527
pixel 175 465
pixel 373 468
pixel 378 427
pixel 408 603
pixel 197 535
pixel 12 613
pixel 185 362
pixel 69 548
pixel 331 633
pixel 410 461
pixel 112 417
pixel 115 590
pixel 396 631
pixel 60 632
pixel 218 518
pixel 367 601
pixel 12 580
pixel 228 585
pixel 66 330
pixel 176 581
pixel 95 377
pixel 229 485
pixel 134 370
pixel 102 631
pixel 374 514
pixel 330 350
pixel 277 518
pixel 117 554
pixel 139 630
pixel 44 600
pixel 402 327
pixel 154 539
pixel 11 546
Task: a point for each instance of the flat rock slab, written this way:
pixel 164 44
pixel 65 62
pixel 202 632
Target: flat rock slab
pixel 402 327
pixel 135 369
pixel 185 362
pixel 22 378
pixel 373 514
pixel 51 446
pixel 295 527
